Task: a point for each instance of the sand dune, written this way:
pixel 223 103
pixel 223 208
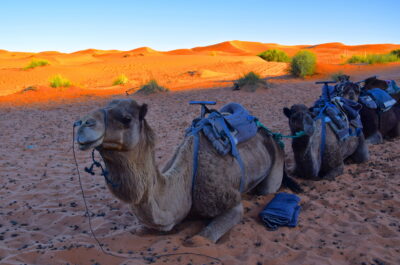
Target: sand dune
pixel 94 69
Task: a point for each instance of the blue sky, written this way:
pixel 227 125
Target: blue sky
pixel 69 26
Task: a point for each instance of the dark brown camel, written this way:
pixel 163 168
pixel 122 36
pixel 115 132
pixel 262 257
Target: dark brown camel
pixel 310 163
pixel 376 125
pixel 373 82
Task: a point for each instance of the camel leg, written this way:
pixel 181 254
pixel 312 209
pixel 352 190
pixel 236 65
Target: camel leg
pixel 395 132
pixel 361 154
pixel 272 182
pixel 223 223
pixel 334 172
pixel 376 138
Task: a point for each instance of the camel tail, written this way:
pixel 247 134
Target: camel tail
pixel 290 183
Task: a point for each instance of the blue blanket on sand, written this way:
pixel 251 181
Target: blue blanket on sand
pixel 282 210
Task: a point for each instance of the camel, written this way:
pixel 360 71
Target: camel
pixel 162 199
pixel 310 163
pixel 373 82
pixel 376 125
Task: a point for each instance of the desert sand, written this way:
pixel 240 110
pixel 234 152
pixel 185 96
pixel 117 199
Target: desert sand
pixel 351 220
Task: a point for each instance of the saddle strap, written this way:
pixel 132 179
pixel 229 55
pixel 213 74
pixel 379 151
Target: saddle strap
pixel 195 130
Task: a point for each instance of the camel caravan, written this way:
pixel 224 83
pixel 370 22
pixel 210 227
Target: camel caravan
pixel 229 152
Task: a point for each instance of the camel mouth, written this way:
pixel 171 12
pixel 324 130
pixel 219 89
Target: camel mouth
pixel 87 145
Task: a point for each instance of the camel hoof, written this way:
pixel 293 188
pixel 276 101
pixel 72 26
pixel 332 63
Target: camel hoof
pixel 197 241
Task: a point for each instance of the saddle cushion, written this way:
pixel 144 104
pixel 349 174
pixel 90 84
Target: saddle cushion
pixel 239 119
pixel 382 99
pixel 393 88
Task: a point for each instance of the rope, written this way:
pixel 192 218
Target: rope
pixel 278 137
pixel 149 259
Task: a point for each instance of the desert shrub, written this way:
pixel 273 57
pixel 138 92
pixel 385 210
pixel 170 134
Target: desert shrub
pixel 250 82
pixel 59 81
pixel 303 63
pixel 151 87
pixel 121 80
pixel 35 63
pixel 274 55
pixel 396 52
pixel 373 58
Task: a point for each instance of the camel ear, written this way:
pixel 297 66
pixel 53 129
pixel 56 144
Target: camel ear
pixel 287 112
pixel 142 112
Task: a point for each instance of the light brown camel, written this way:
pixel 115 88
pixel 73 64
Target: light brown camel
pixel 162 199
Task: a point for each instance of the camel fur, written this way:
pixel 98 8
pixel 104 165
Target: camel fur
pixel 376 125
pixel 307 149
pixel 162 199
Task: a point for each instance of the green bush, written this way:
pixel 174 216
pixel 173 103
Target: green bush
pixel 250 82
pixel 303 63
pixel 121 80
pixel 151 87
pixel 396 52
pixel 59 81
pixel 35 63
pixel 275 55
pixel 374 58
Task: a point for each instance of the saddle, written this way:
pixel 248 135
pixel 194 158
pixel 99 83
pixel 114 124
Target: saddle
pixel 340 114
pixel 393 88
pixel 225 129
pixel 377 98
pixel 231 125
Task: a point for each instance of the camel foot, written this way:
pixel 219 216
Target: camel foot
pixel 222 223
pixel 333 173
pixel 376 138
pixel 197 241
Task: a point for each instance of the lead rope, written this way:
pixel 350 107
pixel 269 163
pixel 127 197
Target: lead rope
pixel 149 259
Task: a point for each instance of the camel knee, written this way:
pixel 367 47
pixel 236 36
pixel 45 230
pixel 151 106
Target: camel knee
pixel 222 223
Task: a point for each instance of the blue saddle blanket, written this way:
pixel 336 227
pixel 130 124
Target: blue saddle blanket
pixel 233 124
pixel 341 119
pixel 381 98
pixel 393 88
pixel 282 210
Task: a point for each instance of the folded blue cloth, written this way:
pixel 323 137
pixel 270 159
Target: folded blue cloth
pixel 282 210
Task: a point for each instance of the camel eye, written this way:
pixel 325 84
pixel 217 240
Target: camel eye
pixel 126 120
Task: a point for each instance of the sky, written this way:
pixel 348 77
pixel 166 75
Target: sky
pixel 69 26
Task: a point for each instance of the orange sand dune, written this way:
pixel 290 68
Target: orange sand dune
pixel 94 70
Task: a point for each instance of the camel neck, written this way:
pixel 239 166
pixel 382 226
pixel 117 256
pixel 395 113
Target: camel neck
pixel 158 199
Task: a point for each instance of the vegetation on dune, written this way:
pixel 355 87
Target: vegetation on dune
pixel 396 52
pixel 274 55
pixel 250 82
pixel 375 58
pixel 59 81
pixel 303 64
pixel 121 80
pixel 35 63
pixel 151 87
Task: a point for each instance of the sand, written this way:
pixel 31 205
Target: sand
pixel 352 220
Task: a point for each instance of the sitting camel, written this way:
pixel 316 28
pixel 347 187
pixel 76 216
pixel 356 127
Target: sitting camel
pixel 373 82
pixel 317 159
pixel 162 199
pixel 376 124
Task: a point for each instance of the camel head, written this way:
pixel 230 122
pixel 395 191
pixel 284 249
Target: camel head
pixel 351 91
pixel 116 127
pixel 343 78
pixel 300 119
